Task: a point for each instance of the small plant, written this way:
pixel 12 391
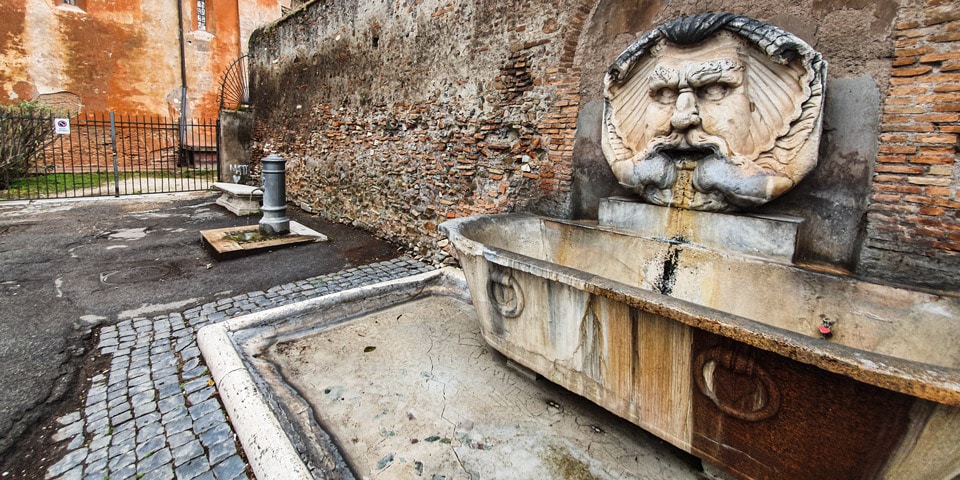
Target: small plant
pixel 25 129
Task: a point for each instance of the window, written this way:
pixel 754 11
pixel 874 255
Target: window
pixel 71 5
pixel 201 14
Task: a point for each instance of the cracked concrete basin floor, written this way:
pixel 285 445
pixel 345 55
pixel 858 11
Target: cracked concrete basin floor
pixel 413 391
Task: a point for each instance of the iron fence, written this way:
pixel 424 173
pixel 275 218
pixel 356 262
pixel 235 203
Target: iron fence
pixel 105 154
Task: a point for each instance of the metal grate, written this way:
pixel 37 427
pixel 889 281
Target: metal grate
pixel 109 154
pixel 234 92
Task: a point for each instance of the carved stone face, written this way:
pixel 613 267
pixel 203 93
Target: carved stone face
pixel 716 125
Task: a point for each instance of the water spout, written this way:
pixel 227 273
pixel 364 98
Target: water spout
pixel 274 221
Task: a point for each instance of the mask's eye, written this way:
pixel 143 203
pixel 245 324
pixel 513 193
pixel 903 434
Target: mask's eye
pixel 714 91
pixel 666 95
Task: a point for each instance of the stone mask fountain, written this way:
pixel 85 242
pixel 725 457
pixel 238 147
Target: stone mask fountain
pixel 713 113
pixel 693 322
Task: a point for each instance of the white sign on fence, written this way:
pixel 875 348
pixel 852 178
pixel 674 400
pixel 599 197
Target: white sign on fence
pixel 61 126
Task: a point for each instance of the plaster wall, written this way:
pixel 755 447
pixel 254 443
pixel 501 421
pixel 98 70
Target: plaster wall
pixel 121 56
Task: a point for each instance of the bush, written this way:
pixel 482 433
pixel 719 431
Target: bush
pixel 25 129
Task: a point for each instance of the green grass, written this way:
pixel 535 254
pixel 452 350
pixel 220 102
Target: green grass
pixel 54 184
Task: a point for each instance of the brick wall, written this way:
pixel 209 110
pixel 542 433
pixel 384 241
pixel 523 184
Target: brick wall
pixel 913 230
pixel 395 116
pixel 398 124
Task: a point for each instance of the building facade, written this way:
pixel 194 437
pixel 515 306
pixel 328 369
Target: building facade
pixel 130 56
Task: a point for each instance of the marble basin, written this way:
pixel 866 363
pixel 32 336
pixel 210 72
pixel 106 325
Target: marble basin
pixel 720 352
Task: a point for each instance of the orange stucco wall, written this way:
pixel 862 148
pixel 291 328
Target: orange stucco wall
pixel 123 56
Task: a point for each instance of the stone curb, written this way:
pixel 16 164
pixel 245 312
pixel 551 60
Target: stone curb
pixel 270 452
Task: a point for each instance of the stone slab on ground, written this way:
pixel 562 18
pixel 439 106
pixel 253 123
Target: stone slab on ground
pixel 227 241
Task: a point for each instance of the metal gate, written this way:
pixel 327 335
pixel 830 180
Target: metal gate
pixel 104 154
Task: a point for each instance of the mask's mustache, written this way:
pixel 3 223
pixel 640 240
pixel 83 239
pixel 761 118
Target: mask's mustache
pixel 690 140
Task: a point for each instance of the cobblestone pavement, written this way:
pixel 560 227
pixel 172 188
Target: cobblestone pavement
pixel 155 413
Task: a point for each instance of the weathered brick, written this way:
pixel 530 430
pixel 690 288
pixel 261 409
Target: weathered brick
pixel 907 25
pixel 911 71
pixel 939 98
pixel 932 159
pixel 894 208
pixel 911 52
pixel 907 128
pixel 899 168
pixel 901 100
pixel 941 170
pixel 904 42
pixel 903 109
pixel 937 138
pixel 904 61
pixel 909 90
pixel 929 232
pixel 939 57
pixel 948 87
pixel 892 149
pixel 891 158
pixel 938 117
pixel 886 198
pixel 946 107
pixel 896 119
pixel 935 79
pixel 905 81
pixel 932 200
pixel 888 178
pixel 897 188
pixel 931 211
pixel 936 181
pixel 937 149
pixel 945 37
pixel 941 14
pixel 950 66
pixel 893 138
pixel 912 33
pixel 953 244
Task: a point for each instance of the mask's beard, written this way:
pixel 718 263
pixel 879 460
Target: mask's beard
pixel 666 175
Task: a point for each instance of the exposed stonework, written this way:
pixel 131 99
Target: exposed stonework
pixel 433 111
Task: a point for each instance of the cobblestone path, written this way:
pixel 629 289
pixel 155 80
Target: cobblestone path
pixel 155 414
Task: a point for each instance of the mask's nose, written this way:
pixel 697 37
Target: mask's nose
pixel 687 113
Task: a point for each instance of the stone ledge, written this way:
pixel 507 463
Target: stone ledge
pixel 773 237
pixel 242 200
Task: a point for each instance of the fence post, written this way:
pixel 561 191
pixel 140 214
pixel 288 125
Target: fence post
pixel 216 175
pixel 116 168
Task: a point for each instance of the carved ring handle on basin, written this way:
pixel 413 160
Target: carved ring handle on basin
pixel 743 365
pixel 505 293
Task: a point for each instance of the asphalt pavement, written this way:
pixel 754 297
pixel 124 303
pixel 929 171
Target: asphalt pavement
pixel 72 271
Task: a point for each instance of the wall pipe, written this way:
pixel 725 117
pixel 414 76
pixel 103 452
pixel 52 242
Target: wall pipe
pixel 183 76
